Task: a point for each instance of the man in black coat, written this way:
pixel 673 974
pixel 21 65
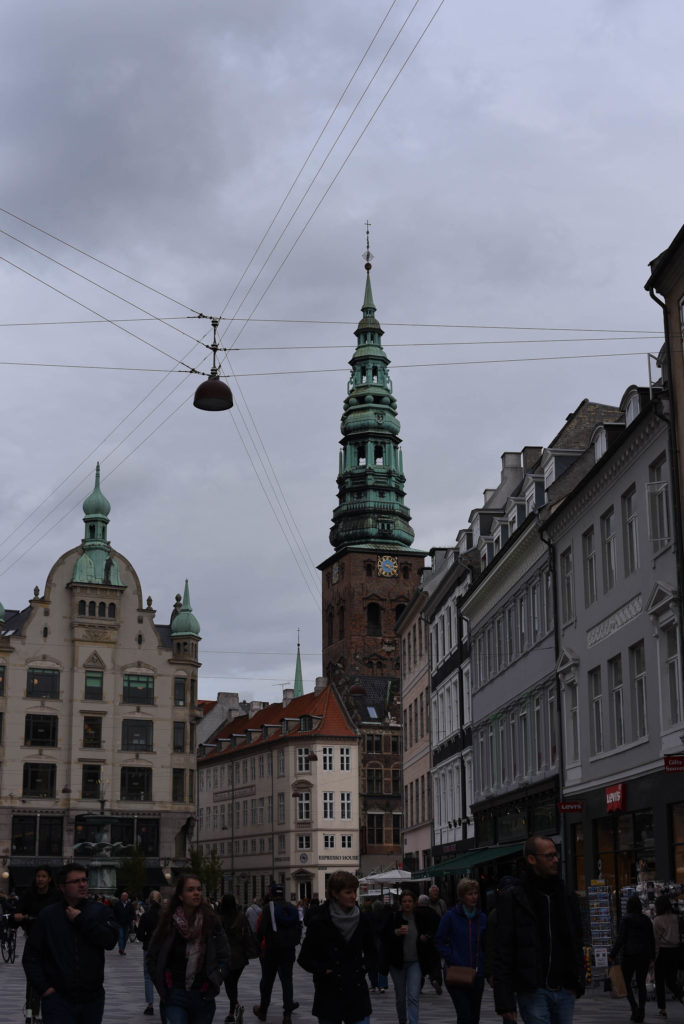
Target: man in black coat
pixel 124 915
pixel 280 932
pixel 64 954
pixel 538 954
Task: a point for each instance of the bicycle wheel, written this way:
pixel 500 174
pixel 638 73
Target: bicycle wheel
pixel 12 944
pixel 4 948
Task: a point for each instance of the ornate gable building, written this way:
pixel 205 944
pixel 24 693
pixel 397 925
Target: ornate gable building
pixel 367 583
pixel 97 718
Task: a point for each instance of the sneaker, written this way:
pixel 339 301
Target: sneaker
pixel 258 1012
pixel 239 1014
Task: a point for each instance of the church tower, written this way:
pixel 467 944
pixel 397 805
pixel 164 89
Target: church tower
pixel 368 581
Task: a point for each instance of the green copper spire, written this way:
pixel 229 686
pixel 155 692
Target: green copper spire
pixel 371 509
pixel 95 564
pixel 298 683
pixel 185 623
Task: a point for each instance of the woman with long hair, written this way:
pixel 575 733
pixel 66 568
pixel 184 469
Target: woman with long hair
pixel 636 943
pixel 461 941
pixel 188 955
pixel 410 951
pixel 41 893
pixel 240 941
pixel 666 931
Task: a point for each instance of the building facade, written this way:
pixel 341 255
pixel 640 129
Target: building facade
pixel 619 662
pixel 278 795
pixel 367 583
pixel 98 718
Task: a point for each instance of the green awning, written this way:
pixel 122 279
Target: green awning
pixel 463 863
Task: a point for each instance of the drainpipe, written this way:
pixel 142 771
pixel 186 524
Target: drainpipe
pixel 671 422
pixel 559 718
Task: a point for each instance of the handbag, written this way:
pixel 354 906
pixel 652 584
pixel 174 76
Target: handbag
pixel 618 989
pixel 459 977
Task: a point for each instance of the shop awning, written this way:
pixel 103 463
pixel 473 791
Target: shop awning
pixel 463 863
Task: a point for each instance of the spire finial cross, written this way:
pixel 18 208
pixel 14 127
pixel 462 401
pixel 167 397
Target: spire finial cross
pixel 368 255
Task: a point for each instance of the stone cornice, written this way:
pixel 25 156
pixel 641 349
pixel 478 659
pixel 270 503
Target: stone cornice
pixel 512 565
pixel 615 621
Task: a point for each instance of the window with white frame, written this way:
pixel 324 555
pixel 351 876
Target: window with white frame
pixel 513 745
pixel 467 697
pixel 522 623
pixel 553 730
pixel 630 531
pixel 282 840
pixel 673 697
pixel 303 763
pixel 345 806
pixel 658 505
pixel 510 633
pixel 281 808
pixel 346 842
pixel 303 842
pixel 567 586
pixel 327 759
pixel 328 805
pixel 571 722
pixel 637 686
pixel 328 842
pixel 617 702
pixel 304 806
pixel 535 612
pixel 345 759
pixel 524 737
pixel 281 762
pixel 589 566
pixel 608 554
pixel 596 710
pixel 538 734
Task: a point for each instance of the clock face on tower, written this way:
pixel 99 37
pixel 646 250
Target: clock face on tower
pixel 388 565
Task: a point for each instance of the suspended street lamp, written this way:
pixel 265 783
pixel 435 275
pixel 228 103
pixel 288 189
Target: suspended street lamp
pixel 213 394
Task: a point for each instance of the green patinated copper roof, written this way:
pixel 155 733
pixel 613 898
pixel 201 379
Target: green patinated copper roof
pixel 185 623
pixel 298 681
pixel 371 510
pixel 95 563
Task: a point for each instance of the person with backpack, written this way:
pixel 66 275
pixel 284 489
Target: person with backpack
pixel 242 944
pixel 279 931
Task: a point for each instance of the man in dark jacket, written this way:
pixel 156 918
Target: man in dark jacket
pixel 280 931
pixel 64 954
pixel 538 954
pixel 124 915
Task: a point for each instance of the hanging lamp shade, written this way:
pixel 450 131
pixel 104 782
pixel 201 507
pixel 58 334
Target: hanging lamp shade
pixel 213 395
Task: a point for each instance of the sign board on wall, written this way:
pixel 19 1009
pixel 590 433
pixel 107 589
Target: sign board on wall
pixel 615 796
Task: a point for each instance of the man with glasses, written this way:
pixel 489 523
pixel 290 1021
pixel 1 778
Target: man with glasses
pixel 538 955
pixel 64 954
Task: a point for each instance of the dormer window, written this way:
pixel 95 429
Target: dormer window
pixel 600 444
pixel 632 410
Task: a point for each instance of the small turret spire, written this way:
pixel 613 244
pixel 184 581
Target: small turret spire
pixel 298 682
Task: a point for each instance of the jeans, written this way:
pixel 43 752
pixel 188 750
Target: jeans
pixel 186 1006
pixel 544 1006
pixel 635 965
pixel 231 983
pixel 149 987
pixel 467 1001
pixel 57 1010
pixel 270 966
pixel 406 981
pixel 123 935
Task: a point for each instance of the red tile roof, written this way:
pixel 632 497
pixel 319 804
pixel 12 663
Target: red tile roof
pixel 324 705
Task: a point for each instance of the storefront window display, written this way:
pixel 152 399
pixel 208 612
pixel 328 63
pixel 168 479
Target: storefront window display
pixel 678 841
pixel 578 846
pixel 626 848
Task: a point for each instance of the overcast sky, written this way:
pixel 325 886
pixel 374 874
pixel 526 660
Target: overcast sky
pixel 521 171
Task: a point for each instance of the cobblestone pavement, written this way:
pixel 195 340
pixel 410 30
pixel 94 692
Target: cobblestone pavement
pixel 126 1001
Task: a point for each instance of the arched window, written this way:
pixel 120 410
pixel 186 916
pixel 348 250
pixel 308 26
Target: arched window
pixel 405 571
pixel 111 611
pixel 340 622
pixel 379 455
pixel 81 607
pixel 373 624
pixel 91 608
pixel 102 610
pixel 361 455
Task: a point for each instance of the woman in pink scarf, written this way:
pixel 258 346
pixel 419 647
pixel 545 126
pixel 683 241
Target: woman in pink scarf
pixel 188 955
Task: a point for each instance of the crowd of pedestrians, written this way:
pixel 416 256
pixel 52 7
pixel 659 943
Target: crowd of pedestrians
pixel 528 948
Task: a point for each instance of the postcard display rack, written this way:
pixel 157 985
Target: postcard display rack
pixel 598 921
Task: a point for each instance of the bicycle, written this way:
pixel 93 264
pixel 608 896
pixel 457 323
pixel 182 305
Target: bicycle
pixel 8 941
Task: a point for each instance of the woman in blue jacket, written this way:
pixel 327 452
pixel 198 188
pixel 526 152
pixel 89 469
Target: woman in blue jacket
pixel 460 940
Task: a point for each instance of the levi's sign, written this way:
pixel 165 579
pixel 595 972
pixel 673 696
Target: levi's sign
pixel 570 806
pixel 615 797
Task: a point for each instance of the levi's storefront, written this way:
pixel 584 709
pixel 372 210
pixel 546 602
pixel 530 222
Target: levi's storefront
pixel 631 833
